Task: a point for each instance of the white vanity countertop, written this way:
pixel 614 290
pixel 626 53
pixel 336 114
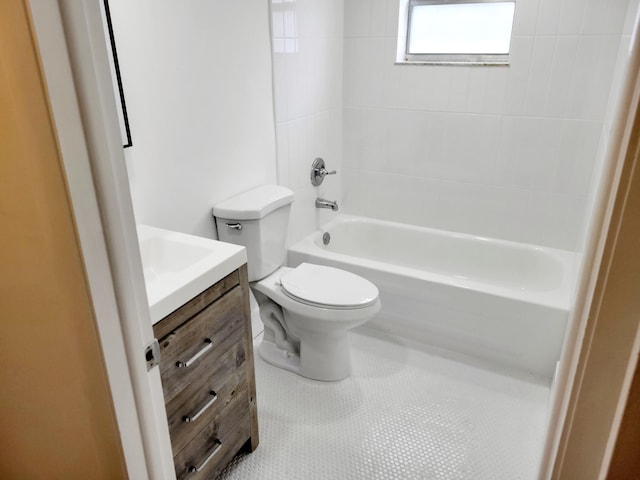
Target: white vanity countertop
pixel 177 266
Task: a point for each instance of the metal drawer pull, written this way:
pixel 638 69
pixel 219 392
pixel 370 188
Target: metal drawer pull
pixel 205 349
pixel 202 410
pixel 215 450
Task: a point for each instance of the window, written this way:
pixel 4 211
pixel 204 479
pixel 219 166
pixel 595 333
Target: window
pixel 458 31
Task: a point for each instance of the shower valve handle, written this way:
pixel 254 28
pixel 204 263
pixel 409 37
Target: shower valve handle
pixel 318 172
pixel 324 173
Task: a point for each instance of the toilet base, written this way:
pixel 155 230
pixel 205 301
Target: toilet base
pixel 278 357
pixel 322 357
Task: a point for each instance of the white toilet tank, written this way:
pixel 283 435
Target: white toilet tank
pixel 258 219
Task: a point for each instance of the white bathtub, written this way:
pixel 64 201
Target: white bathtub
pixel 506 303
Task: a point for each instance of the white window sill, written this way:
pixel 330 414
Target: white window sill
pixel 450 63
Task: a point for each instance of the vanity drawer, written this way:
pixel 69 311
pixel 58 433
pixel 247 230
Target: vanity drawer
pixel 192 351
pixel 196 304
pixel 217 442
pixel 202 403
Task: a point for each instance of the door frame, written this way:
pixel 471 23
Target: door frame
pixel 74 60
pixel 603 342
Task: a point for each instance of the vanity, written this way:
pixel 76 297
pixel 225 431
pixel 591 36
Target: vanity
pixel 206 350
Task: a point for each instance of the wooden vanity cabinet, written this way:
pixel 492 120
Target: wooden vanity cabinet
pixel 208 380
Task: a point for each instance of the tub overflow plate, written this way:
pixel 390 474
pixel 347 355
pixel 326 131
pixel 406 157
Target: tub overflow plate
pixel 326 238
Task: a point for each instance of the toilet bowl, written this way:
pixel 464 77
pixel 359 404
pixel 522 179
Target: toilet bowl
pixel 316 306
pixel 308 310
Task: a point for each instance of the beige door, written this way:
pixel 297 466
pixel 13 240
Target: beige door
pixel 56 413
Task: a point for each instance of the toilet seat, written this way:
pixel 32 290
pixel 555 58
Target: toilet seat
pixel 327 287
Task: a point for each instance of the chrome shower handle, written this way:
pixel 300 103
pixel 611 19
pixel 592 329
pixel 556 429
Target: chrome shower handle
pixel 318 172
pixel 323 173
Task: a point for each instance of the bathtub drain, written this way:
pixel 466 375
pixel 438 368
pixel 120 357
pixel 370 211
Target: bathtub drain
pixel 326 238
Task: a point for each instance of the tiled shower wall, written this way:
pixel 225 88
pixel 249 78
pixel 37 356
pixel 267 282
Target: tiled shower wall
pixel 613 105
pixel 505 152
pixel 307 43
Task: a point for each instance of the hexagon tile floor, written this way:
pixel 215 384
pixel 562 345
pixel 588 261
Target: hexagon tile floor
pixel 405 413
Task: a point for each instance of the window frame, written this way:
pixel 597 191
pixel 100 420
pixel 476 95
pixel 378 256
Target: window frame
pixel 452 58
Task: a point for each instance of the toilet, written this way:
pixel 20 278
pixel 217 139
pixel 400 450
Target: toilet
pixel 308 310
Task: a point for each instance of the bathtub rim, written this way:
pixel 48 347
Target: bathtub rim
pixel 560 298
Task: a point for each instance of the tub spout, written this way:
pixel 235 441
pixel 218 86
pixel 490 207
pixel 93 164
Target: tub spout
pixel 322 203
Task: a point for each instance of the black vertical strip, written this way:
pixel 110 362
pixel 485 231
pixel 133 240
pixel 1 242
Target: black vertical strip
pixel 117 68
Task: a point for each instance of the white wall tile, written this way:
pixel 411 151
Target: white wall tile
pixel 547 19
pixel 527 152
pixel 548 213
pixel 280 90
pixel 433 143
pixel 378 26
pixel 539 75
pixel 563 61
pixel 295 97
pixel 403 87
pixel 524 21
pixel 458 89
pixel 605 17
pixel 302 221
pixel 277 20
pixel 374 148
pixel 319 19
pixel 519 68
pixel 476 92
pixel 352 142
pixel 367 70
pixel 433 88
pixel 470 149
pixel 290 20
pixel 282 153
pixel 570 17
pixel 584 77
pixel 496 90
pixel 630 17
pixel 603 78
pixel 617 16
pixel 404 135
pixel 350 75
pixel 393 11
pixel 296 145
pixel 595 17
pixel 576 156
pixel 357 18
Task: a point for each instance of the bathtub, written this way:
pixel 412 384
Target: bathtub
pixel 500 302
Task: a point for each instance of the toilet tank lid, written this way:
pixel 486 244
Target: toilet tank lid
pixel 254 203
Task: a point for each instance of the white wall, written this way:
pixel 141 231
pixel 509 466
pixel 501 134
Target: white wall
pixel 617 83
pixel 495 151
pixel 307 40
pixel 197 79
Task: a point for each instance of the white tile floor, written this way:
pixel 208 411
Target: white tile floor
pixel 405 413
